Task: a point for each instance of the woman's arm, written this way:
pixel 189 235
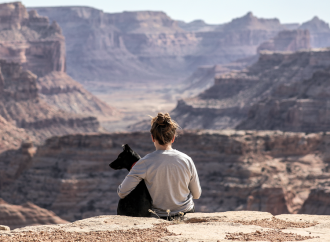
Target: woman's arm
pixel 137 173
pixel 194 186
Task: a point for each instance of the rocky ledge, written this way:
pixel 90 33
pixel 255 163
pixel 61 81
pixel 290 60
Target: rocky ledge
pixel 225 226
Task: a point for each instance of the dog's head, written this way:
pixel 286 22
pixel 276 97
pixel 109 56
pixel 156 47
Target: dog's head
pixel 125 159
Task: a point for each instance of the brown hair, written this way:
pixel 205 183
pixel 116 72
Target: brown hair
pixel 163 128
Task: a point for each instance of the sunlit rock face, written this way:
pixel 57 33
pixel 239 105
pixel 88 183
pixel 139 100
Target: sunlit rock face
pixel 239 170
pixel 320 32
pixel 150 45
pixel 288 40
pixel 238 99
pixel 36 93
pixel 28 214
pixel 30 39
pixel 21 106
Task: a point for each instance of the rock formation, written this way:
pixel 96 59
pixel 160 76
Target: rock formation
pixel 36 93
pixel 225 226
pixel 320 32
pixel 227 103
pixel 239 170
pixel 11 136
pixel 287 40
pixel 29 39
pixel 318 200
pixel 28 214
pixel 60 91
pixel 300 106
pixel 145 45
pixel 21 106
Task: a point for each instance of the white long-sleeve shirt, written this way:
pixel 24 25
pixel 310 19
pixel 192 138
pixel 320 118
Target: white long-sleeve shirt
pixel 171 178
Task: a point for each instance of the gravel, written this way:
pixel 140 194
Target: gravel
pixel 276 223
pixel 272 235
pixel 134 235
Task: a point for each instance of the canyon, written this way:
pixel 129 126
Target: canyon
pixel 268 171
pixel 36 93
pixel 238 97
pixel 127 59
pixel 254 112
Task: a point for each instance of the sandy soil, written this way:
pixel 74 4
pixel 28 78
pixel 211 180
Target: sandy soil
pixel 207 227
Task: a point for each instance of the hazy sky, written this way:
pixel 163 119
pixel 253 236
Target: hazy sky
pixel 211 11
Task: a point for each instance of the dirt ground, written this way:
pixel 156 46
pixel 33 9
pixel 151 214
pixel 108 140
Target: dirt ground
pixel 207 227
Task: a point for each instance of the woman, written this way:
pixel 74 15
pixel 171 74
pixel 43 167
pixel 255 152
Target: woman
pixel 170 175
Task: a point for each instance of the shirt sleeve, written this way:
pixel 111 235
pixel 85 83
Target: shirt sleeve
pixel 194 186
pixel 136 174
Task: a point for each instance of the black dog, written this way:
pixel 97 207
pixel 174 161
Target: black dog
pixel 138 202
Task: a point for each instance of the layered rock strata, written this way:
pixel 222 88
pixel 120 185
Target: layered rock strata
pixel 61 92
pixel 288 40
pixel 239 170
pixel 30 40
pixel 22 107
pixel 28 214
pixel 36 93
pixel 318 200
pixel 11 136
pixel 39 47
pixel 229 101
pixel 301 106
pixel 149 45
pixel 320 32
pixel 146 45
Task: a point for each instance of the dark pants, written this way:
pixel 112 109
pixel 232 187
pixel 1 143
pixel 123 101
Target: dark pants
pixel 172 217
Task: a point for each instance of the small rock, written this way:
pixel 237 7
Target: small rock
pixel 5 228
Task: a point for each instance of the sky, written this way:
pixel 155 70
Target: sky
pixel 211 11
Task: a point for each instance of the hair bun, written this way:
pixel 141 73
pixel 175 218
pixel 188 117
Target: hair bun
pixel 163 119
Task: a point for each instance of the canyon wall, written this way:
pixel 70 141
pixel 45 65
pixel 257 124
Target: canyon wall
pixel 21 106
pixel 11 136
pixel 30 40
pixel 239 170
pixel 36 93
pixel 301 106
pixel 288 40
pixel 147 45
pixel 230 100
pixel 28 214
pixel 320 32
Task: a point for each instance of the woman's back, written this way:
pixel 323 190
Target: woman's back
pixel 171 179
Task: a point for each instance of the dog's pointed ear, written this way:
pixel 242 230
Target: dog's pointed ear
pixel 126 147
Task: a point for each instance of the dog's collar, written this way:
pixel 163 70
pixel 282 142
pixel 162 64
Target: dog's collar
pixel 133 164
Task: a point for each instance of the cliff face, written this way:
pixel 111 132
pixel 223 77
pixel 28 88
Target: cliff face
pixel 320 32
pixel 30 40
pixel 288 40
pixel 61 92
pixel 301 106
pixel 11 136
pixel 147 45
pixel 21 106
pixel 318 200
pixel 238 170
pixel 28 214
pixel 36 93
pixel 227 103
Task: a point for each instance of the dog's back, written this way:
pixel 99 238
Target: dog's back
pixel 138 202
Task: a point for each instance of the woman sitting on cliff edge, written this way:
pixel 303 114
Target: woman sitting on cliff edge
pixel 170 175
